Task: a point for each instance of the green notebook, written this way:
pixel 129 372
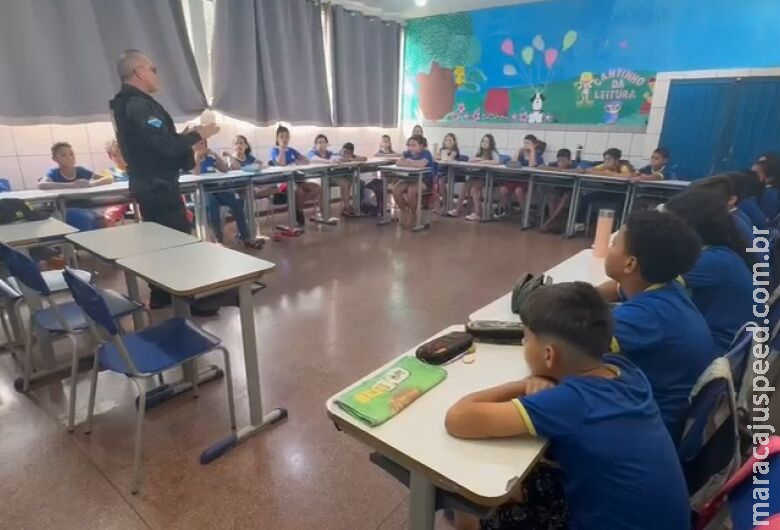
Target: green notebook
pixel 380 398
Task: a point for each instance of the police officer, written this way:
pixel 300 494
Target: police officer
pixel 154 151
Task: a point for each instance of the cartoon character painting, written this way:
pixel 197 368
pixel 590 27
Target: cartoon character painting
pixel 585 85
pixel 648 102
pixel 537 103
pixel 612 112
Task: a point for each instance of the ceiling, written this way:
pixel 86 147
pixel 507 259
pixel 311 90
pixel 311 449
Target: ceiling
pixel 408 9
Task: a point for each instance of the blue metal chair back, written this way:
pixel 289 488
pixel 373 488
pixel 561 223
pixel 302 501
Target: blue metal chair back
pixel 503 159
pixel 463 158
pixel 5 185
pixel 24 269
pixel 88 298
pixel 738 354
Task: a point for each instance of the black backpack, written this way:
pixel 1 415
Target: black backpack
pixel 15 210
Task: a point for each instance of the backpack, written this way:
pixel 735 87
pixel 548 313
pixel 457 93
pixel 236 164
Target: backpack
pixel 524 287
pixel 15 210
pixel 371 197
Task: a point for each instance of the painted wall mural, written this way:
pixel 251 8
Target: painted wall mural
pixel 571 61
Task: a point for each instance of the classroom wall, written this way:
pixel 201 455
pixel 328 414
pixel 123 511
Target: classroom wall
pixel 479 78
pixel 25 154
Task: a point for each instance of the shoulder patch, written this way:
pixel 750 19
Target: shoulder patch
pixel 154 122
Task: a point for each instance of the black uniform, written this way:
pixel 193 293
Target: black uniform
pixel 155 153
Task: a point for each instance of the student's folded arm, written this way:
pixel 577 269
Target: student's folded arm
pixel 609 291
pixel 476 420
pixel 153 133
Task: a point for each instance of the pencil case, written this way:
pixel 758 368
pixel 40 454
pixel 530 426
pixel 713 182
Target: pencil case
pixel 445 348
pixel 496 331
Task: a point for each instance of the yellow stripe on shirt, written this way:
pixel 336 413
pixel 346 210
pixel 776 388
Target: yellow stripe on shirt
pixel 526 418
pixel 614 345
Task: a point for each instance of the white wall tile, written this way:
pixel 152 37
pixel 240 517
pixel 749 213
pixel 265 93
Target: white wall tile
pixel 651 143
pixel 224 138
pixel 621 141
pixel 661 92
pixel 638 161
pixel 75 135
pixel 100 161
pixel 656 120
pixel 574 138
pixel 83 159
pixel 555 140
pixel 7 147
pixel 34 167
pixel 33 139
pixel 637 144
pixel 99 134
pixel 9 169
pixel 596 142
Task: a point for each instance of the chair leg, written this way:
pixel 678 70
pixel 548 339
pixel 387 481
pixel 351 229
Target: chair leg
pixel 74 375
pixel 92 391
pixel 28 364
pixel 229 382
pixel 139 438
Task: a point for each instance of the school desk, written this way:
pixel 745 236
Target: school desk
pixel 403 173
pixel 351 170
pixel 583 266
pixel 616 185
pixel 111 244
pixel 657 189
pixel 211 269
pixel 485 472
pixel 474 170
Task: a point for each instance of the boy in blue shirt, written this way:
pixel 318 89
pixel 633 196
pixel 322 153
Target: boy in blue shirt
pixel 68 175
pixel 558 199
pixel 618 465
pixel 404 192
pixel 721 282
pixel 656 169
pixel 207 161
pixel 284 155
pixel 657 326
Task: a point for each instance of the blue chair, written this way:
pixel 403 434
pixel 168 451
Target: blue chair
pixel 58 319
pixel 143 355
pixel 463 158
pixel 503 159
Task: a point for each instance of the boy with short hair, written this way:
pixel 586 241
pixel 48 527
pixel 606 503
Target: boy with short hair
pixel 657 325
pixel 558 198
pixel 618 465
pixel 613 165
pixel 405 193
pixel 656 169
pixel 67 174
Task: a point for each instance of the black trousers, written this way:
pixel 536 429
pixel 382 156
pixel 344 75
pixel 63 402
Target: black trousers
pixel 160 202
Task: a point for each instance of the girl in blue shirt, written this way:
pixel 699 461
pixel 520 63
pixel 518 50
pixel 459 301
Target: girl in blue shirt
pixel 472 189
pixel 405 193
pixel 242 153
pixel 530 155
pixel 284 155
pixel 320 152
pixel 721 282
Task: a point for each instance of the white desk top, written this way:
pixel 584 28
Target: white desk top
pixel 484 471
pixel 197 268
pixel 33 231
pixel 118 242
pixel 673 184
pixel 407 170
pixel 583 266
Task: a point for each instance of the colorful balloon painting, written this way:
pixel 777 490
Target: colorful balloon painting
pixel 538 43
pixel 569 39
pixel 528 55
pixel 508 47
pixel 550 56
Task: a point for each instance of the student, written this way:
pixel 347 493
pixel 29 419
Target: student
pixel 768 170
pixel 556 199
pixel 320 153
pixel 68 175
pixel 721 185
pixel 472 189
pixel 117 172
pixel 721 281
pixel 617 464
pixel 207 161
pixel 386 146
pixel 450 152
pixel 404 192
pixel 657 326
pixel 612 166
pixel 242 153
pixel 529 155
pixel 418 131
pixel 347 154
pixel 747 188
pixel 656 169
pixel 284 155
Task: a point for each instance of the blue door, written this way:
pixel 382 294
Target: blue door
pixel 695 125
pixel 756 121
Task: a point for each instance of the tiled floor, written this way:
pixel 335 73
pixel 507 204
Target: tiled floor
pixel 341 302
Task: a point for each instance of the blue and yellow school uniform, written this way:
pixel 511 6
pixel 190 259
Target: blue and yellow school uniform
pixel 430 162
pixel 208 164
pixel 665 173
pixel 247 161
pixel 55 175
pixel 752 211
pixel 770 202
pixel 315 153
pixel 290 156
pixel 82 218
pixel 620 467
pixel 663 333
pixel 721 286
pixel 525 162
pixel 745 227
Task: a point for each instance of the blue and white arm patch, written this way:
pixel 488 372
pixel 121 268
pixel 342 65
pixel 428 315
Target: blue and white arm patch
pixel 154 122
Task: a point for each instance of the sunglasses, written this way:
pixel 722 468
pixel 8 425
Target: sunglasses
pixel 152 68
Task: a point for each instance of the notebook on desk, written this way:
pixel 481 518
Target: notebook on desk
pixel 381 397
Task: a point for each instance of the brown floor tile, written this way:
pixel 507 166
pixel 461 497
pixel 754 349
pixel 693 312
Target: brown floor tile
pixel 341 301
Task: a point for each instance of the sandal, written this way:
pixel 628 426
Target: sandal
pixel 256 244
